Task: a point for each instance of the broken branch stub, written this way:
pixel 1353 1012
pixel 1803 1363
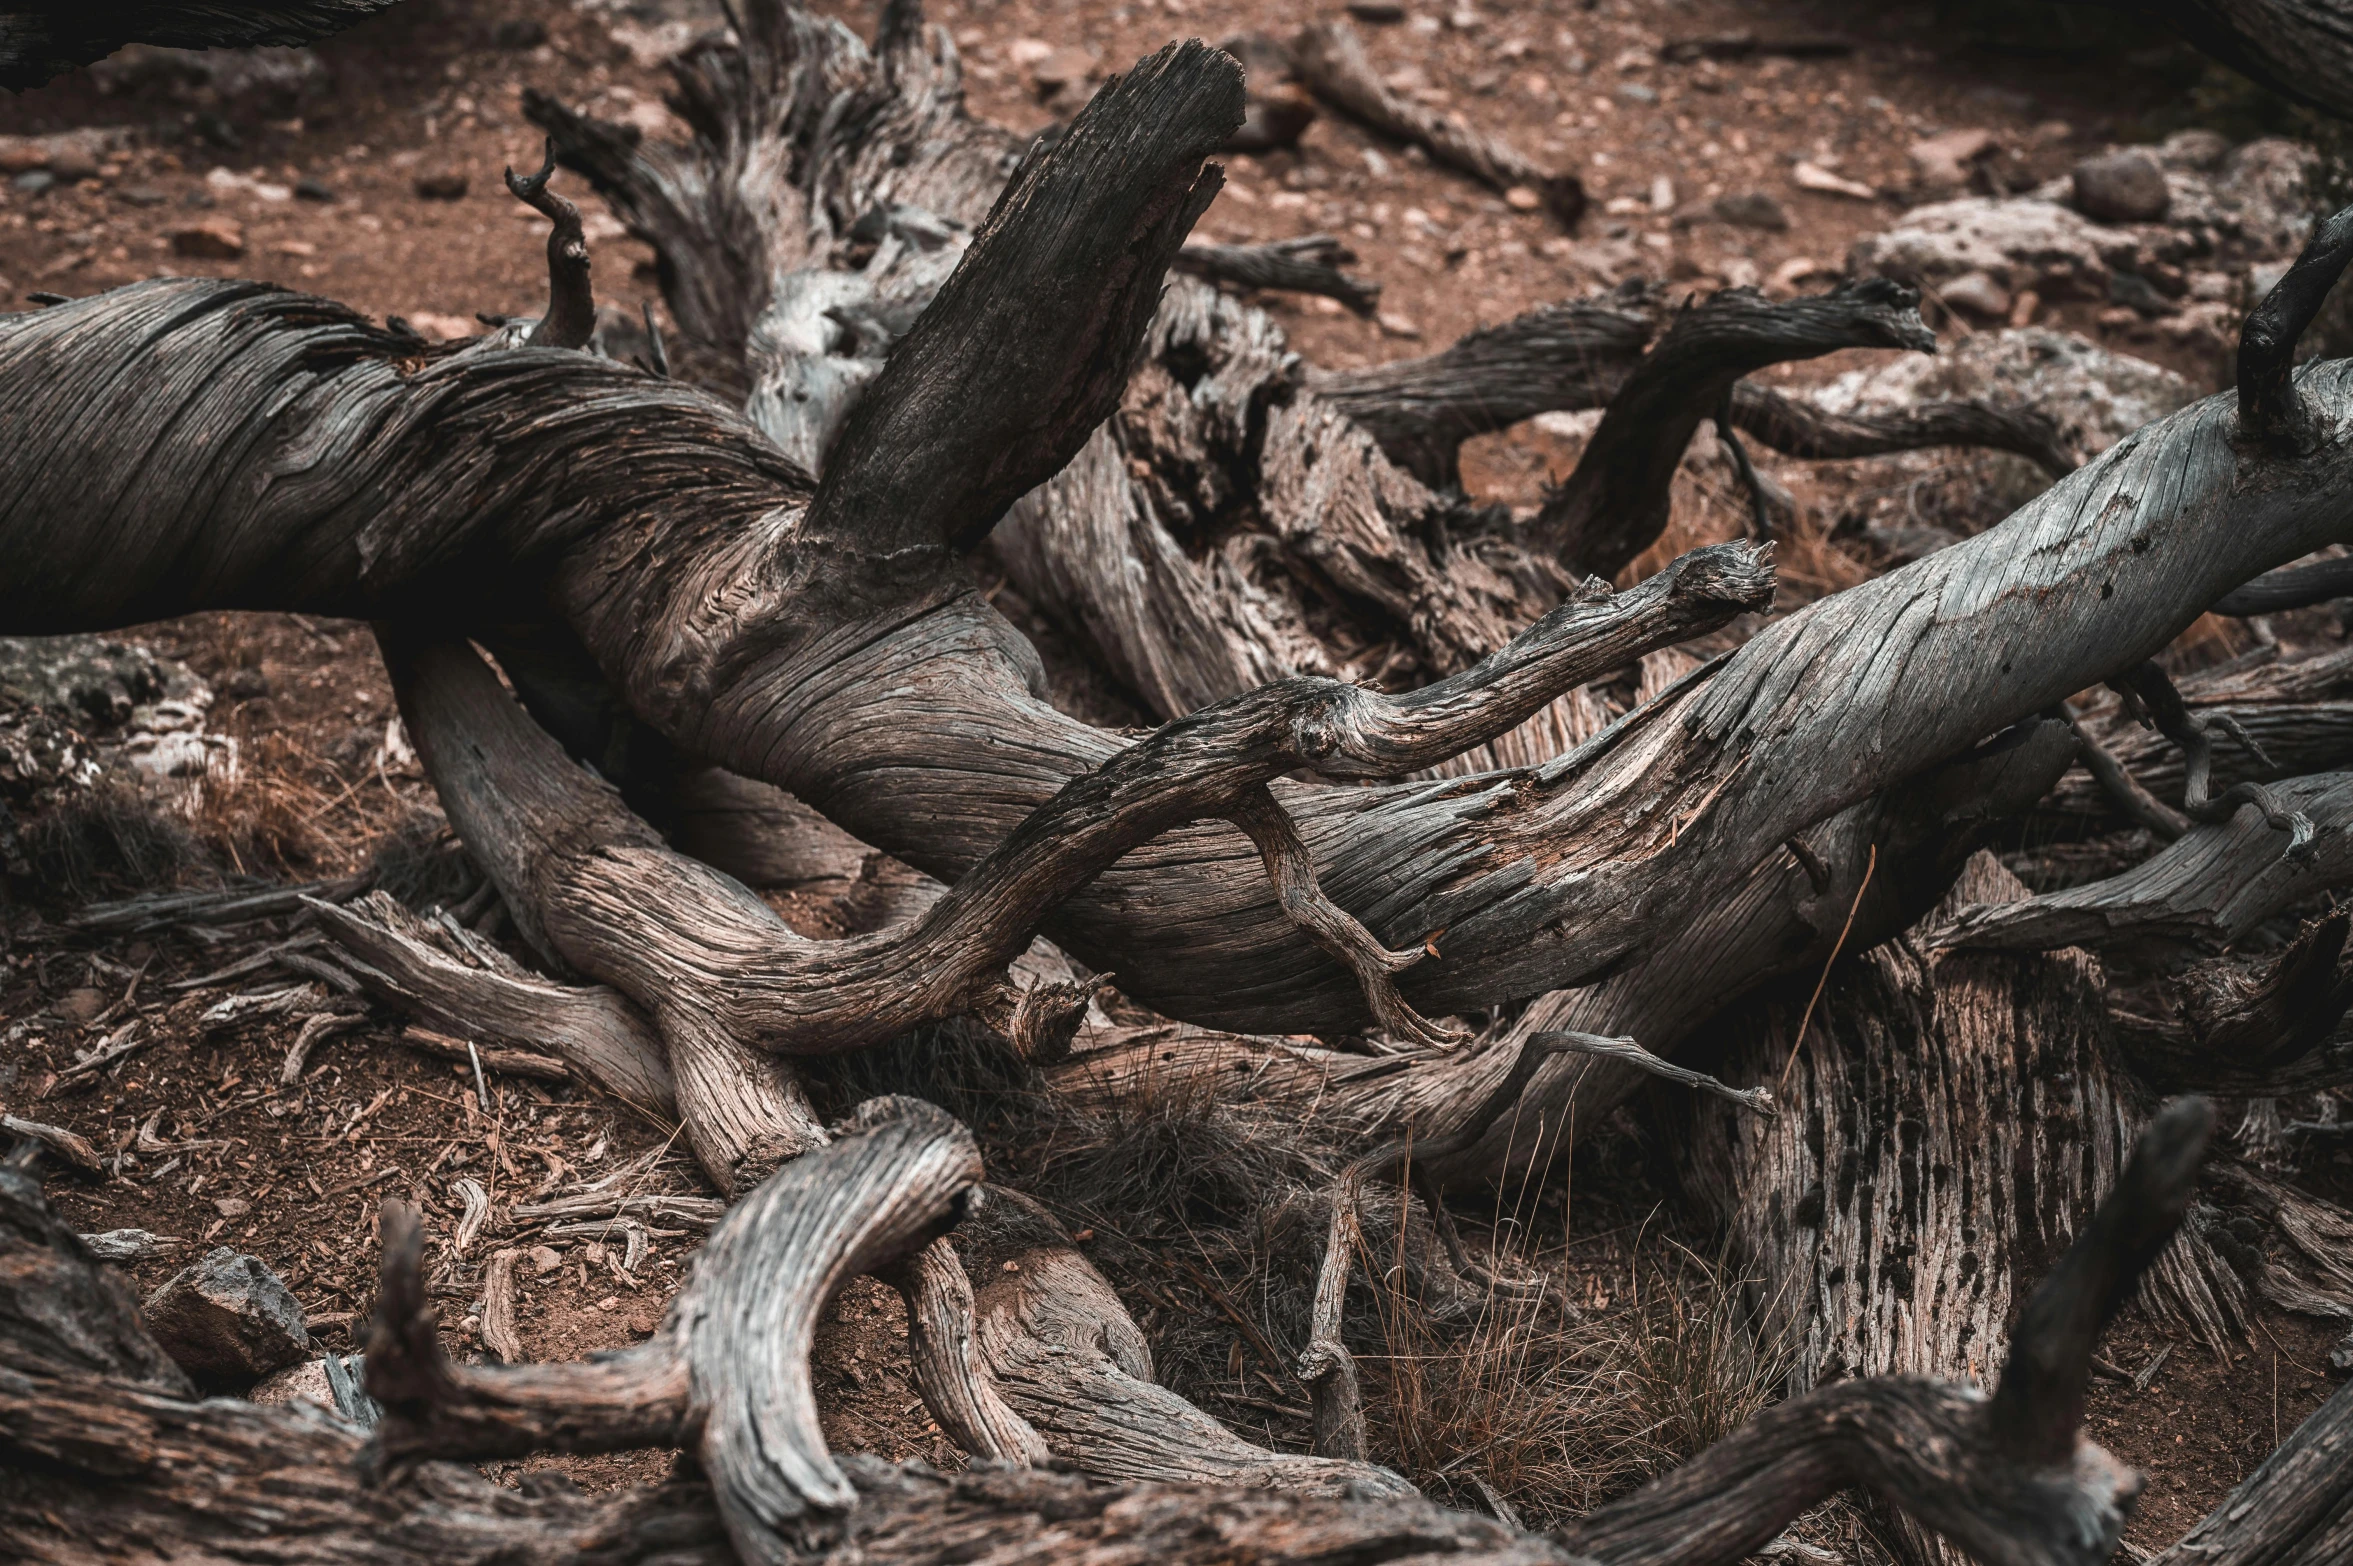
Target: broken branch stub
pixel 2272 411
pixel 1028 345
pixel 570 319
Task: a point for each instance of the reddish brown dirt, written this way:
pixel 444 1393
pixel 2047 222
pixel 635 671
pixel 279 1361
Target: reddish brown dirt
pixel 423 91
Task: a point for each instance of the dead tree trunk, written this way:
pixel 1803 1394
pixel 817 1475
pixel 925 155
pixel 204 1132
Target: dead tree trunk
pixel 1946 1122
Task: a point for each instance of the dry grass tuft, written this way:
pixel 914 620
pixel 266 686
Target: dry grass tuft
pixel 108 840
pixel 1560 1415
pixel 1206 1212
pixel 288 811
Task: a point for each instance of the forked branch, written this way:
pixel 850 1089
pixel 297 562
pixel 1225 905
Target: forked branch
pixel 2272 412
pixel 1615 503
pixel 570 319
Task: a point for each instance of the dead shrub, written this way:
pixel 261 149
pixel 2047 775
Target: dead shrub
pixel 108 839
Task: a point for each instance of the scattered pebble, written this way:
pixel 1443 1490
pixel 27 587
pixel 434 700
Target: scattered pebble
pixel 227 1317
pixel 1063 68
pixel 1810 176
pixel 1943 161
pixel 1978 293
pixel 1752 209
pixel 2121 187
pixel 442 185
pixel 214 239
pixel 1395 325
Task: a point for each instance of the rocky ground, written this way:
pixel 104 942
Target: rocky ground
pixel 2088 237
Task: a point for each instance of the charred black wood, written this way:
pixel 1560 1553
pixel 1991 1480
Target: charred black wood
pixel 39 40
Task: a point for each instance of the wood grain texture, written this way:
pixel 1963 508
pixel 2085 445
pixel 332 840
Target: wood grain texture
pixel 1950 1122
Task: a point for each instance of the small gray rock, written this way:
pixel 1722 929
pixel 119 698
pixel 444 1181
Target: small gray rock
pixel 227 1318
pixel 2122 187
pixel 1752 209
pixel 2138 293
pixel 1978 293
pixel 2198 150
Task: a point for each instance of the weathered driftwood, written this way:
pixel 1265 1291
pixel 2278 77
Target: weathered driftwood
pixel 1575 355
pixel 2251 1030
pixel 1557 357
pixel 2271 718
pixel 595 1030
pixel 839 658
pixel 89 1400
pixel 2291 587
pixel 1307 265
pixel 1062 1351
pixel 2204 891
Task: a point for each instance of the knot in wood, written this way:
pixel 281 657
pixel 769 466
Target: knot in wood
pixel 1322 722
